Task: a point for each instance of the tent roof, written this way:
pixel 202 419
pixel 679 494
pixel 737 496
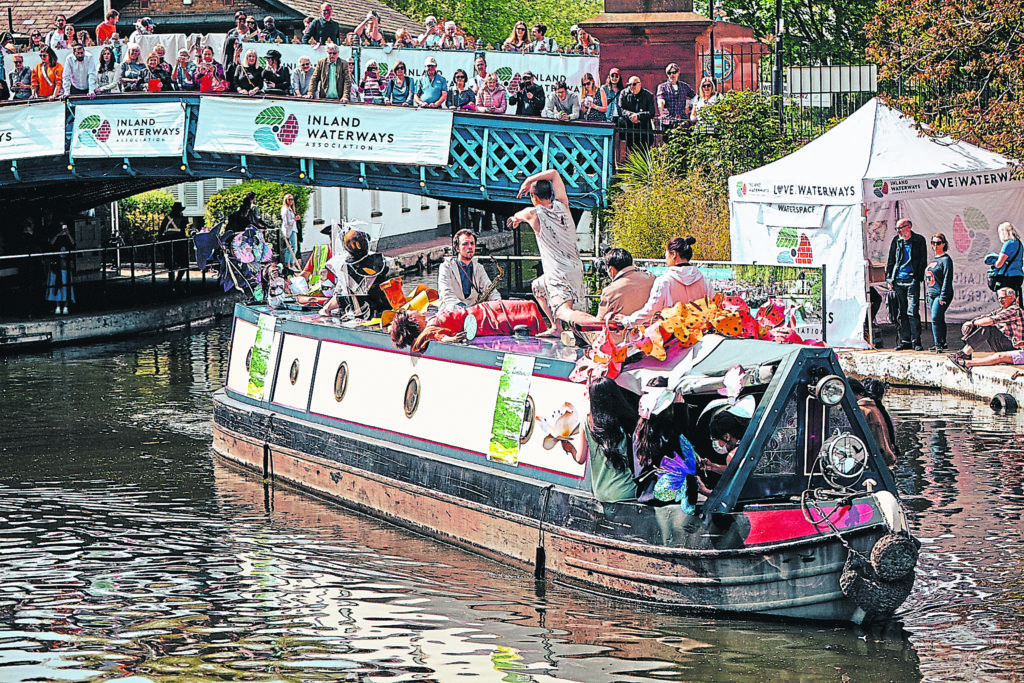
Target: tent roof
pixel 874 154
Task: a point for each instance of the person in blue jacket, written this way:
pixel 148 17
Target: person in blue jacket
pixel 938 280
pixel 1009 266
pixel 904 271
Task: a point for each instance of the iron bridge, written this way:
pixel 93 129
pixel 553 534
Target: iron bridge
pixel 489 157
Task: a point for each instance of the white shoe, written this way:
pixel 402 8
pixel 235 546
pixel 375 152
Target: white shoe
pixel 65 311
pixel 57 311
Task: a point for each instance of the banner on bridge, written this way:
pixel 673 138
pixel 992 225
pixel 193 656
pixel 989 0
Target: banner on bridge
pixel 324 130
pixel 129 130
pixel 35 130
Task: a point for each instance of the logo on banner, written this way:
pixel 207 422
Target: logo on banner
pixel 971 230
pixel 881 188
pixel 796 247
pixel 741 187
pixel 93 130
pixel 276 128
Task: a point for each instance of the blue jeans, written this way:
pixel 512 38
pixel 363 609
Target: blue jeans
pixel 908 297
pixel 938 319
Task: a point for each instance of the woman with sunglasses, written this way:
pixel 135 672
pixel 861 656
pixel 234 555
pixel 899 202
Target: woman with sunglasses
pixel 938 279
pixel 371 86
pixel 399 90
pixel 518 40
pixel 707 93
pixel 491 98
pixel 460 96
pixel 593 100
pixel 611 89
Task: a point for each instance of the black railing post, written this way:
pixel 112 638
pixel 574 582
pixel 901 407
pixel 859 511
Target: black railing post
pixel 103 272
pixel 152 267
pixel 133 267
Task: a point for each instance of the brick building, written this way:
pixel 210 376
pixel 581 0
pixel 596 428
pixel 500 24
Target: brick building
pixel 196 16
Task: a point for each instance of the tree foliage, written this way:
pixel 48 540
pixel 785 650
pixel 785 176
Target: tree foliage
pixel 141 215
pixel 651 204
pixel 816 31
pixel 491 21
pixel 957 67
pixel 746 135
pixel 269 197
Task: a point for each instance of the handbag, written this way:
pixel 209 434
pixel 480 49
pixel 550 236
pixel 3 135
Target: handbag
pixel 994 278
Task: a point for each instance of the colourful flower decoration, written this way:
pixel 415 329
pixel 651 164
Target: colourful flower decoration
pixel 672 476
pixel 560 428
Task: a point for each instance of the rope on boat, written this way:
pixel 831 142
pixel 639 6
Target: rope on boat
pixel 881 583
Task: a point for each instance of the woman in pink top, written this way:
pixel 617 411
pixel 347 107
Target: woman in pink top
pixel 491 98
pixel 681 283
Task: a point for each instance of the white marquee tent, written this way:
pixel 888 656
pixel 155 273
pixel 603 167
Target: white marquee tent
pixel 835 201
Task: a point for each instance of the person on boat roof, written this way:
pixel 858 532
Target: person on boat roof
pixel 628 291
pixel 413 328
pixel 461 280
pixel 559 291
pixel 681 283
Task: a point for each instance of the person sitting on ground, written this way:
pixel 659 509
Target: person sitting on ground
pixel 461 280
pixel 869 395
pixel 559 291
pixel 607 441
pixel 1002 330
pixel 681 283
pixel 564 106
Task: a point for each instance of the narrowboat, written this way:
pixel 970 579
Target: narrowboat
pixel 805 523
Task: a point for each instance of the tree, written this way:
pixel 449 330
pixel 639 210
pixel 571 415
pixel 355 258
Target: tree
pixel 269 197
pixel 141 215
pixel 816 31
pixel 957 68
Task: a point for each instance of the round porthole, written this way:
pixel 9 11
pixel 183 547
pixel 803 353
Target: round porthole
pixel 341 382
pixel 293 372
pixel 248 360
pixel 528 414
pixel 412 396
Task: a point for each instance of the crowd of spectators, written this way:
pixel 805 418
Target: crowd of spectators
pixel 121 67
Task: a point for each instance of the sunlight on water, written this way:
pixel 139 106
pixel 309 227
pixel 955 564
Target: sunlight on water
pixel 128 552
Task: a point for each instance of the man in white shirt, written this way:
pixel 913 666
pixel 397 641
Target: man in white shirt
pixel 79 73
pixel 55 38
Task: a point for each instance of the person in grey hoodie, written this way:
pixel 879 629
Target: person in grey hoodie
pixel 681 283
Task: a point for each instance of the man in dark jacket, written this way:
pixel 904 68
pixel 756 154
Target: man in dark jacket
pixel 529 98
pixel 908 258
pixel 323 28
pixel 636 110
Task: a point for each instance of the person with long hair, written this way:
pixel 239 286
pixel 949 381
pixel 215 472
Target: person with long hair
pixel 869 395
pixel 593 100
pixel 47 76
pixel 84 38
pixel 210 72
pixel 681 283
pixel 612 88
pixel 1009 266
pixel 608 433
pixel 400 89
pixel 108 76
pixel 938 281
pixel 248 79
pixel 289 228
pixel 707 94
pixel 518 40
pixel 60 289
pixel 131 70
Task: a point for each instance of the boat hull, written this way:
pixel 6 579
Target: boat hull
pixel 655 555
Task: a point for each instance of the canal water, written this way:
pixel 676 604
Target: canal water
pixel 128 552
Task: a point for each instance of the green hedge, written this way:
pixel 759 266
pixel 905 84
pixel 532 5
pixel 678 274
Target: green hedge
pixel 269 197
pixel 141 215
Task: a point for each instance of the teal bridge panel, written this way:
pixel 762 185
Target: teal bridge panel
pixel 488 159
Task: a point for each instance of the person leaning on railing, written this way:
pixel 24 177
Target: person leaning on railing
pixel 155 78
pixel 131 69
pixel 248 77
pixel 593 101
pixel 564 106
pixel 491 99
pixel 372 84
pixel 20 79
pixel 183 73
pixel 400 90
pixel 460 97
pixel 517 40
pixel 210 72
pixel 47 76
pixel 277 79
pixel 108 73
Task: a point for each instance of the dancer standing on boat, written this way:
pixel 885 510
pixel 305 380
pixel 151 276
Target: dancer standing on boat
pixel 461 280
pixel 559 291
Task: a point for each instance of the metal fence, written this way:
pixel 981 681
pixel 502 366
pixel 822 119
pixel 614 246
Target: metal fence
pixel 813 97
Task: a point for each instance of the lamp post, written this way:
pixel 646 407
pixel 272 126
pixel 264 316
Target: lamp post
pixel 777 65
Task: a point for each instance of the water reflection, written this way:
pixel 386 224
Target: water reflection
pixel 126 550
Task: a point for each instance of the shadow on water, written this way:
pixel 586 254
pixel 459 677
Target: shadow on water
pixel 127 550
